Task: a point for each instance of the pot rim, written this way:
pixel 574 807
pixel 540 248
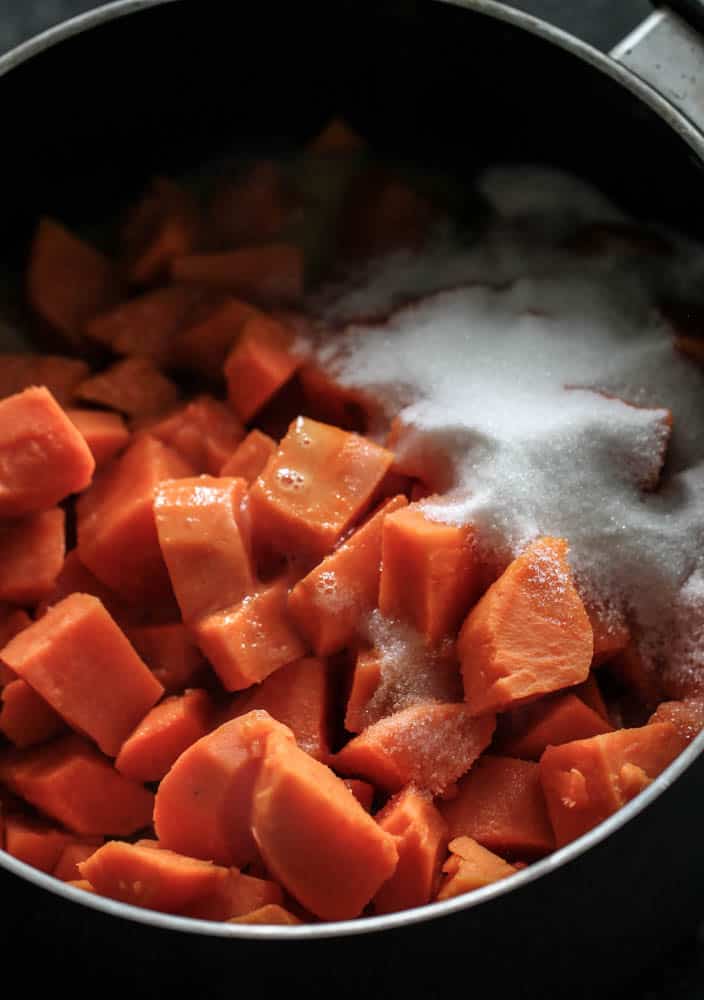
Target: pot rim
pixel 394 921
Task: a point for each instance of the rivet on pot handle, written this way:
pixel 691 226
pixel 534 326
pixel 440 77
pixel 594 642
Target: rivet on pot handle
pixel 667 51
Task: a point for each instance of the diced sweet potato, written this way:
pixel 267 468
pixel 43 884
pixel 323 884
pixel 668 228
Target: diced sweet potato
pixel 333 403
pixel 259 364
pixel 82 884
pixel 117 536
pixel 381 214
pixel 318 483
pixel 74 578
pixel 429 745
pixel 71 782
pixel 60 375
pixel 335 138
pixel 145 327
pixel 272 913
pixel 328 604
pixel 638 676
pixel 106 434
pixel 35 842
pixel 687 716
pixel 134 387
pixel 421 841
pixel 549 722
pixel 59 656
pixel 204 432
pixel 43 458
pixel 590 693
pixel 164 225
pixel 75 852
pixel 362 791
pixel 204 344
pixel 249 458
pixel 528 635
pixel 247 642
pixel 269 273
pixel 68 280
pixel 252 208
pixel 441 561
pixel 25 717
pixel 238 895
pixel 500 804
pixel 31 555
pixel 299 695
pixel 157 880
pixel 170 653
pixel 203 805
pixel 470 866
pixel 587 780
pixel 163 734
pixel 199 525
pixel 315 838
pixel 611 634
pixel 365 681
pixel 12 622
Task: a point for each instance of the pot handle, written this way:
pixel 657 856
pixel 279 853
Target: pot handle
pixel 667 51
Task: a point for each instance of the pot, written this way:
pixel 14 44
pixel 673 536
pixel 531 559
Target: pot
pixel 90 111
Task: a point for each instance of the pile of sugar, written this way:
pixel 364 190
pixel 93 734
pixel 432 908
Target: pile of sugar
pixel 504 365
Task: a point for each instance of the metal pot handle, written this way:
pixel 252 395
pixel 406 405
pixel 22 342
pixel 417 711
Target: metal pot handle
pixel 667 51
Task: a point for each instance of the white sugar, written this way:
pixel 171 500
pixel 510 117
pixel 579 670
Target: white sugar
pixel 503 367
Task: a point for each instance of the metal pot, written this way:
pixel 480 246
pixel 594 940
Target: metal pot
pixel 94 107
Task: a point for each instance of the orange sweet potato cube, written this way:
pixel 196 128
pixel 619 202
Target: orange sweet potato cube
pixel 204 432
pixel 250 456
pixel 259 364
pixel 31 555
pixel 206 340
pixel 135 387
pixel 59 374
pixel 106 434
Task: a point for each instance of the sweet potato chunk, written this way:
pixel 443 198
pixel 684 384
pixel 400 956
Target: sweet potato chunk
pixel 66 868
pixel 81 663
pixel 500 804
pixel 362 791
pixel 204 344
pixel 687 716
pixel 549 722
pixel 335 138
pixel 470 866
pixel 145 327
pixel 249 641
pixel 170 653
pixel 43 458
pixel 252 208
pixel 31 555
pixel 73 578
pixel 429 745
pixel 134 387
pixel 117 536
pixel 198 522
pixel 71 782
pixel 587 780
pixel 314 836
pixel 106 434
pixel 328 604
pixel 365 681
pixel 249 458
pixel 259 364
pixel 318 483
pixel 35 842
pixel 269 273
pixel 239 894
pixel 204 432
pixel 25 717
pixel 528 635
pixel 272 913
pixel 382 214
pixel 163 225
pixel 421 841
pixel 203 805
pixel 59 374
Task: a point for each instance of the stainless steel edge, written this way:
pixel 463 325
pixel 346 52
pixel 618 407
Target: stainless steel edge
pixel 668 54
pixel 695 139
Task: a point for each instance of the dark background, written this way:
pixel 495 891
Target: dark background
pixel 602 23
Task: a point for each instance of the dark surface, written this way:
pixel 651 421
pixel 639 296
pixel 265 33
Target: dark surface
pixel 638 893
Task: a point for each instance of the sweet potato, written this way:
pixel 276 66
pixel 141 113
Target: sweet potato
pixel 203 805
pixel 199 525
pixel 638 676
pixel 336 137
pixel 382 214
pixel 315 838
pixel 421 842
pixel 59 374
pixel 429 745
pixel 68 280
pixel 76 851
pixel 587 780
pixel 162 226
pixel 117 536
pixel 272 913
pixel 269 273
pixel 204 432
pixel 12 622
pixel 550 722
pixel 31 555
pixel 157 880
pixel 258 365
pixel 329 604
pixel 500 804
pixel 237 895
pixel 35 842
pixel 611 634
pixel 298 695
pixel 365 681
pixel 441 561
pixel 247 642
pixel 58 656
pixel 362 791
pixel 170 653
pixel 332 403
pixel 106 434
pixel 43 458
pixel 528 635
pixel 318 483
pixel 687 716
pixel 203 345
pixel 252 208
pixel 470 866
pixel 71 782
pixel 146 326
pixel 134 387
pixel 249 457
pixel 163 734
pixel 25 717
pixel 73 578
pixel 590 693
